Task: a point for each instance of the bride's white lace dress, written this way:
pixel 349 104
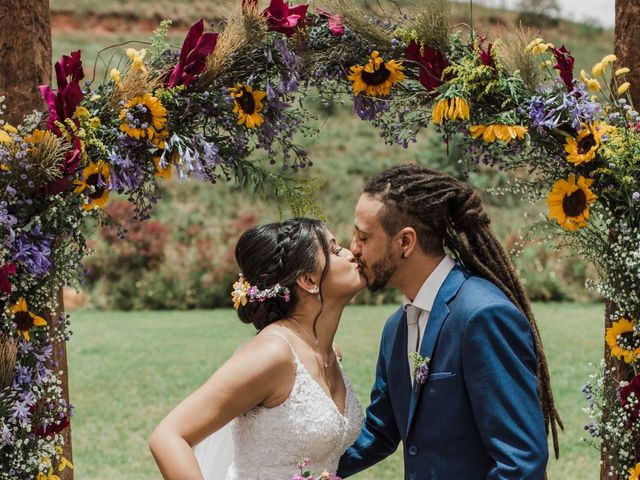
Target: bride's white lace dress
pixel 269 442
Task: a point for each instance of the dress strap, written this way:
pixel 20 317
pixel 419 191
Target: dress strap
pixel 274 333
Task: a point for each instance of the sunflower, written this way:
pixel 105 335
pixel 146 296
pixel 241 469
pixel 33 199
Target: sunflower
pixel 248 105
pixel 377 77
pixel 165 172
pixel 504 133
pixel 25 319
pixel 144 117
pixel 634 473
pixel 623 341
pixel 450 109
pixel 569 202
pixel 95 177
pixel 583 148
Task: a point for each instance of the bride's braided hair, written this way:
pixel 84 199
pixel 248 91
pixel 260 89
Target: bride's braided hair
pixel 447 212
pixel 279 253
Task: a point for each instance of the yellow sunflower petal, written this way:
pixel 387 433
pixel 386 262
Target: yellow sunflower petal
pixel 38 321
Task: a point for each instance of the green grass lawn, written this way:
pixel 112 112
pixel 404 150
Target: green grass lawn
pixel 128 369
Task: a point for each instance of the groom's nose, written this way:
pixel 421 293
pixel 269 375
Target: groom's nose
pixel 355 247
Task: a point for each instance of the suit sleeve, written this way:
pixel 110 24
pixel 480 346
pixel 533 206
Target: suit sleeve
pixel 379 436
pixel 499 362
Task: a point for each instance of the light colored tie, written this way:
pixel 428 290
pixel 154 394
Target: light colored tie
pixel 413 316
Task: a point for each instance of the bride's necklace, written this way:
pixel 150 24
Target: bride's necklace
pixel 314 344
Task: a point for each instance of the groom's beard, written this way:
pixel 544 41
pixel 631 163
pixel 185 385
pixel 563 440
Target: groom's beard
pixel 382 271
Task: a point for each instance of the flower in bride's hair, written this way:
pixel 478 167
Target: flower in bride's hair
pixel 634 473
pixel 240 292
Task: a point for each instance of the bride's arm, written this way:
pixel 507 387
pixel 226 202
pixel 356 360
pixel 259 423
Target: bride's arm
pixel 261 371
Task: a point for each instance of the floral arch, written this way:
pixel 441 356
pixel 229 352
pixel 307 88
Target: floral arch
pixel 200 113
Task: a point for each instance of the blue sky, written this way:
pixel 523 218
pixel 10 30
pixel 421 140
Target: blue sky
pixel 603 11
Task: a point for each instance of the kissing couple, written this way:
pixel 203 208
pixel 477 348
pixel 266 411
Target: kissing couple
pixel 461 378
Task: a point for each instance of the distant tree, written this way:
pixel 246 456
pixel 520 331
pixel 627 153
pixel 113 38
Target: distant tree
pixel 547 8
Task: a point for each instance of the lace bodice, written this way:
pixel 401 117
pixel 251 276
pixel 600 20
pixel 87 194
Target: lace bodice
pixel 269 442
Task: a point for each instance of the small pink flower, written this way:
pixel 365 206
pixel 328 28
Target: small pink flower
pixel 335 22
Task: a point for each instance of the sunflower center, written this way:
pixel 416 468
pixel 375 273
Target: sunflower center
pixel 140 116
pixel 24 321
pixel 628 341
pixel 586 144
pixel 98 186
pixel 378 77
pixel 574 204
pixel 246 102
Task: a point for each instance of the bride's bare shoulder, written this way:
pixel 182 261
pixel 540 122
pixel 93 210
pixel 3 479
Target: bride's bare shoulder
pixel 270 346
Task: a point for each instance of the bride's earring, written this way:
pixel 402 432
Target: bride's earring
pixel 315 290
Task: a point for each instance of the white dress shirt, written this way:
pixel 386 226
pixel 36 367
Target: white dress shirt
pixel 419 309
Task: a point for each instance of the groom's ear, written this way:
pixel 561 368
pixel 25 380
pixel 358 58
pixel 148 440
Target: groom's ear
pixel 407 241
pixel 308 283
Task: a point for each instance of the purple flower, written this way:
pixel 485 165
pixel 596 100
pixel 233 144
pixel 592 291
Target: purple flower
pixel 33 251
pixel 20 412
pixel 574 107
pixel 422 372
pixel 368 108
pixel 6 436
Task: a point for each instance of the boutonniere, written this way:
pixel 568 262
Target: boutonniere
pixel 420 369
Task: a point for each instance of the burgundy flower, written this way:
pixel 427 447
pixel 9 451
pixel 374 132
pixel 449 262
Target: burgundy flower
pixel 432 63
pixel 195 49
pixel 335 22
pixel 6 270
pixel 53 429
pixel 625 393
pixel 64 102
pixel 485 55
pixel 283 18
pixel 564 63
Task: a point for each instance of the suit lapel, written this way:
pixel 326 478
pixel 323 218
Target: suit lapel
pixel 437 317
pixel 398 373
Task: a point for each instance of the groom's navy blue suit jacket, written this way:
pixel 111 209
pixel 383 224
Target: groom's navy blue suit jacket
pixel 478 416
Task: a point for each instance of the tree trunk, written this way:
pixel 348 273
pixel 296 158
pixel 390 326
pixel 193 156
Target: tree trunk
pixel 627 41
pixel 25 63
pixel 25 55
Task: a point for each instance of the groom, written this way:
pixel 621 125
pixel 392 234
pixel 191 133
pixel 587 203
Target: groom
pixel 474 409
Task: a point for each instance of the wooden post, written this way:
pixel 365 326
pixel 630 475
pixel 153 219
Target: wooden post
pixel 627 37
pixel 25 63
pixel 627 34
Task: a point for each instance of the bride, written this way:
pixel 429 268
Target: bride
pixel 284 391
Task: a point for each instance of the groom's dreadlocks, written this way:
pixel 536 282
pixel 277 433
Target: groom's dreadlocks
pixel 444 210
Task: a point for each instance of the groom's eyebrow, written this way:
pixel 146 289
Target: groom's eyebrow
pixel 359 230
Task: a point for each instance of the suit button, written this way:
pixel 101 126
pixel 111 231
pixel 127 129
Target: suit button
pixel 413 450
